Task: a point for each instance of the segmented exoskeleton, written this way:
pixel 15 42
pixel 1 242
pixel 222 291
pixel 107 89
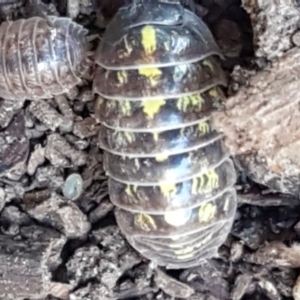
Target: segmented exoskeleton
pixel 170 178
pixel 41 57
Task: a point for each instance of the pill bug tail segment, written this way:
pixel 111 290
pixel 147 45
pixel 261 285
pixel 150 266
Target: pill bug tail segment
pixel 170 178
pixel 40 57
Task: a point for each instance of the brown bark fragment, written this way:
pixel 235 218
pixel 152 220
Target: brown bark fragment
pixel 273 23
pixel 261 123
pixel 172 286
pixel 277 254
pixel 296 289
pixel 14 147
pixel 24 271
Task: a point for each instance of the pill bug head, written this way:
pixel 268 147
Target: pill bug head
pixel 169 176
pixel 114 53
pixel 76 43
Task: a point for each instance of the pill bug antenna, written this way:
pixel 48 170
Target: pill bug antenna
pixel 190 4
pixel 183 2
pixel 36 8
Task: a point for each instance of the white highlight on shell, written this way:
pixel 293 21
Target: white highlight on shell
pixel 178 217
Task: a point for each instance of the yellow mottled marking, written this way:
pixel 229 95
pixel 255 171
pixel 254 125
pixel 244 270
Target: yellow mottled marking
pixel 183 249
pixel 152 107
pixel 176 246
pixel 207 212
pixel 213 179
pixel 205 239
pixel 195 100
pixel 182 103
pixel 189 251
pixel 125 107
pixel 137 163
pixel 155 136
pixel 100 100
pixel 153 74
pixel 161 157
pixel 166 46
pixel 204 127
pixel 110 104
pixel 226 204
pixel 149 41
pixel 123 136
pixel 205 183
pixel 145 222
pixel 122 77
pixel 186 256
pixel 197 185
pixel 208 63
pixel 128 190
pixel 128 47
pixel 213 92
pixel 168 189
pixel 129 136
pixel 131 189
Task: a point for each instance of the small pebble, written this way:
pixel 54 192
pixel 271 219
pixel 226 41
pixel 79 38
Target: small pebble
pixel 73 187
pixel 296 38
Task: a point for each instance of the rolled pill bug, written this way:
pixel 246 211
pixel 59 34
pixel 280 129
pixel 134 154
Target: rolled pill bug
pixel 40 58
pixel 158 80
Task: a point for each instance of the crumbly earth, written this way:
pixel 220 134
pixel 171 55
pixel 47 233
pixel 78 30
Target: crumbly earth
pixel 52 247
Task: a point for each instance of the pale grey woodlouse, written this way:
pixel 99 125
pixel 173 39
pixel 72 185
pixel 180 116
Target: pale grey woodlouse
pixel 41 57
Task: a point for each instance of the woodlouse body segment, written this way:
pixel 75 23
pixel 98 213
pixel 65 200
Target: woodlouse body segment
pixel 169 175
pixel 40 58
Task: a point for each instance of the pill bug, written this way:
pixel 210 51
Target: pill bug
pixel 41 57
pixel 170 178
